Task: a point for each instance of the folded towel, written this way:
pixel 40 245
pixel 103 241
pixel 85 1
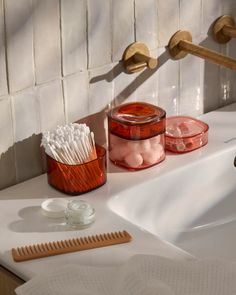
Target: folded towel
pixel 140 275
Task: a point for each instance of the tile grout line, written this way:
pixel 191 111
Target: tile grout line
pixel 87 34
pixel 62 66
pixel 6 43
pixel 33 40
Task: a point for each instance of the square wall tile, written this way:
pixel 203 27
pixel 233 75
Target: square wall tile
pixel 47 40
pixel 76 96
pixel 74 39
pixel 6 126
pixel 7 155
pixel 168 20
pixel 51 105
pixel 7 168
pixel 147 83
pixel 146 22
pixel 100 89
pixel 168 84
pixel 122 27
pixel 19 34
pixel 28 158
pixel 125 86
pixel 99 32
pixel 25 114
pixel 211 10
pixel 191 96
pixel 210 80
pixel 190 17
pixel 26 134
pixel 3 69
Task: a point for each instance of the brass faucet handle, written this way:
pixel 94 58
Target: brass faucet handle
pixel 224 29
pixel 137 57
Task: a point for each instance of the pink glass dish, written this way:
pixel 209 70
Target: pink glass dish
pixel 185 134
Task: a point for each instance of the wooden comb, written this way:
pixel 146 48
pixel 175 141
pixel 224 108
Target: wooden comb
pixel 67 246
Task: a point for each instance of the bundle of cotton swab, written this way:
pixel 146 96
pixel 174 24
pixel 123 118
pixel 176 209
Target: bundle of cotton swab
pixel 70 144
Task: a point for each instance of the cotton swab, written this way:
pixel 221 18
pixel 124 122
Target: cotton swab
pixel 70 144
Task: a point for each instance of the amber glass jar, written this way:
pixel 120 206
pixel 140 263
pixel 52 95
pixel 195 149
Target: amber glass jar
pixel 77 179
pixel 136 135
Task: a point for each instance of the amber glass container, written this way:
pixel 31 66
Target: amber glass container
pixel 136 135
pixel 77 179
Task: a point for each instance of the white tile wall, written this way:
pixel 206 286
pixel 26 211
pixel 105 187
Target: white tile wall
pixel 59 62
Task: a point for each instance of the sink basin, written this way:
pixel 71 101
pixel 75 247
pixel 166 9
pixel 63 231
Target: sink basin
pixel 192 206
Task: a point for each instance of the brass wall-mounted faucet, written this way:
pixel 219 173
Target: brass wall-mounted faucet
pixel 224 29
pixel 181 44
pixel 137 57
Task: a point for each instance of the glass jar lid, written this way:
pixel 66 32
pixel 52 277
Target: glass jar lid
pixel 137 120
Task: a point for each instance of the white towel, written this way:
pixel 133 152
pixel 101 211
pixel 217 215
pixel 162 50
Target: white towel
pixel 140 275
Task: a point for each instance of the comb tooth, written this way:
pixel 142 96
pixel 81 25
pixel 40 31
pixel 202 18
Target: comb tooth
pixel 66 243
pixel 117 235
pixel 74 242
pixel 70 243
pixel 26 250
pixel 19 251
pixel 105 237
pixel 23 251
pixel 109 236
pixel 98 238
pixel 94 239
pixel 86 240
pixel 113 236
pixel 34 249
pixel 38 248
pixel 59 244
pixel 101 237
pixel 46 245
pixel 63 244
pixel 31 249
pixel 55 246
pixel 78 242
pixel 90 239
pixel 81 241
pixel 41 248
pixel 121 234
pixel 50 246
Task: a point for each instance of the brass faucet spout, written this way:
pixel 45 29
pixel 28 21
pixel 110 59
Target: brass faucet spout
pixel 181 44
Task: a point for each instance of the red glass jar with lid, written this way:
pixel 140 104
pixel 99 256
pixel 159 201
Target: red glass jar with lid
pixel 136 135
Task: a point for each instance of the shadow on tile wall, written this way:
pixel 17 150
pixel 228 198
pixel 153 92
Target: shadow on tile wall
pixel 22 161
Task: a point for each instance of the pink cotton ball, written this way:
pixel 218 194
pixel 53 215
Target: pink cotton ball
pixel 114 140
pixel 118 152
pixel 134 160
pixel 145 146
pixel 152 156
pixel 133 146
pixel 155 140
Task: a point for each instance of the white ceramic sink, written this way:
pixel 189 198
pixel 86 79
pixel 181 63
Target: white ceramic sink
pixel 193 206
